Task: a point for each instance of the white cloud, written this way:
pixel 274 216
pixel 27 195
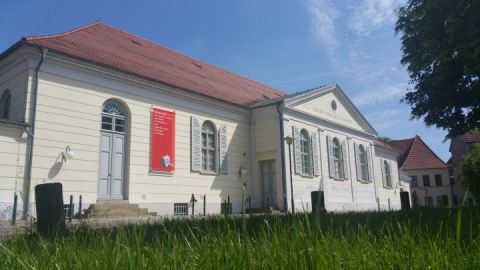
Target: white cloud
pixel 380 94
pixel 370 15
pixel 323 14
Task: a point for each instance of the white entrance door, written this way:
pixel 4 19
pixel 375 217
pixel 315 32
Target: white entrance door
pixel 112 156
pixel 112 152
pixel 269 195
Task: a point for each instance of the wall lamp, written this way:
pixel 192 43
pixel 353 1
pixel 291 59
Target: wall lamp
pixel 68 154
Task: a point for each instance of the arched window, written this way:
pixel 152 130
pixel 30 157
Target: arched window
pixel 363 162
pixel 209 147
pixel 5 103
pixel 337 159
pixel 305 151
pixel 113 116
pixel 388 175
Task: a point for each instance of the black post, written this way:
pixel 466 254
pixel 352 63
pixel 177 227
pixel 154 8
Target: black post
pixel 204 204
pixel 50 209
pixel 192 201
pixel 80 207
pixel 70 209
pixel 14 214
pixel 228 205
pixel 291 177
pixel 250 204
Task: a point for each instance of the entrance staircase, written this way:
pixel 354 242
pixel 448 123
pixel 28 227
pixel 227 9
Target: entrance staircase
pixel 116 209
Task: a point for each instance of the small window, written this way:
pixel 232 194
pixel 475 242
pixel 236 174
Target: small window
pixel 305 151
pixel 426 180
pixel 442 201
pixel 209 147
pixel 180 209
pixel 428 201
pixel 5 103
pixel 414 181
pixel 438 180
pixel 337 159
pixel 388 174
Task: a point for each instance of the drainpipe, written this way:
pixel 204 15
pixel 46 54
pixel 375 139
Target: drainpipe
pixel 33 108
pixel 282 149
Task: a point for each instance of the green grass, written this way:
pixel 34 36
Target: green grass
pixel 419 239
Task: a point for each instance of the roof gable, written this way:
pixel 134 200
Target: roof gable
pixel 318 102
pixel 107 46
pixel 417 155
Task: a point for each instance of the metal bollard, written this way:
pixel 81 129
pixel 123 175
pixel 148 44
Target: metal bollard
pixel 204 204
pixel 80 207
pixel 192 201
pixel 228 204
pixel 70 209
pixel 14 214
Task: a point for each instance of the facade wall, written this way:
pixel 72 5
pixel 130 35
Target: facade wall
pixel 68 114
pixel 433 190
pixel 12 168
pixel 13 77
pixel 389 198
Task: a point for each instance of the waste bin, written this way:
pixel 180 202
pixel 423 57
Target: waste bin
pixel 49 205
pixel 318 201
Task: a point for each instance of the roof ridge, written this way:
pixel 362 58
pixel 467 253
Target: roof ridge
pixel 408 150
pixel 30 38
pixel 431 151
pixel 191 58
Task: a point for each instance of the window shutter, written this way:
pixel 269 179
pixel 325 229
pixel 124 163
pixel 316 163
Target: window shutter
pixel 315 154
pixel 345 159
pixel 391 174
pixel 296 149
pixel 357 161
pixel 223 149
pixel 196 145
pixel 370 164
pixel 383 173
pixel 331 165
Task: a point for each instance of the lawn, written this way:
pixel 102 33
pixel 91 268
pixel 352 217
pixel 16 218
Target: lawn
pixel 420 239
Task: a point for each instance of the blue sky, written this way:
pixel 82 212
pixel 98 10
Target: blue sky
pixel 289 45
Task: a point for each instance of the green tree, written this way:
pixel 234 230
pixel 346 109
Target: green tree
pixel 415 202
pixel 441 49
pixel 470 172
pixel 384 138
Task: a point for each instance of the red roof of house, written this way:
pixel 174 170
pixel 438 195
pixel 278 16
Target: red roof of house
pixel 107 46
pixel 385 145
pixel 417 155
pixel 471 136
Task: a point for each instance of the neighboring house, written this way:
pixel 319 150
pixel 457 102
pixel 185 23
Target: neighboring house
pixel 429 177
pixel 460 147
pixel 151 126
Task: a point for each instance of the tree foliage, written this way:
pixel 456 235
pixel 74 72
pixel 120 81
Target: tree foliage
pixel 471 171
pixel 441 49
pixel 384 138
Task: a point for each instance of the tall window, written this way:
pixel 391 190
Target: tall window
pixel 5 103
pixel 363 162
pixel 113 116
pixel 438 180
pixel 428 201
pixel 209 153
pixel 414 181
pixel 388 174
pixel 337 159
pixel 426 180
pixel 305 151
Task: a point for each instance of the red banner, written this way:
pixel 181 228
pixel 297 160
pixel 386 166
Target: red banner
pixel 162 145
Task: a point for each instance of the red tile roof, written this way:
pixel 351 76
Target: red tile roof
pixel 385 145
pixel 107 46
pixel 417 155
pixel 471 136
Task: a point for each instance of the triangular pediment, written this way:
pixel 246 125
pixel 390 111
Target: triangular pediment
pixel 330 103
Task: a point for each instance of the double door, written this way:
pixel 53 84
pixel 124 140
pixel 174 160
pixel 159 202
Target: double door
pixel 112 163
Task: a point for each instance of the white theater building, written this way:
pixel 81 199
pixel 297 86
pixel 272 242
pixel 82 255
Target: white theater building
pixel 112 116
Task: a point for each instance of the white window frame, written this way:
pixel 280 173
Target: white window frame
pixel 5 105
pixel 363 160
pixel 209 153
pixel 388 174
pixel 338 160
pixel 305 152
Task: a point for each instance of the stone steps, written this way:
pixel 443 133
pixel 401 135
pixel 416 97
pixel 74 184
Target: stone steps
pixel 116 209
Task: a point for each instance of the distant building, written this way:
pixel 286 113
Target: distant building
pixel 429 177
pixel 460 146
